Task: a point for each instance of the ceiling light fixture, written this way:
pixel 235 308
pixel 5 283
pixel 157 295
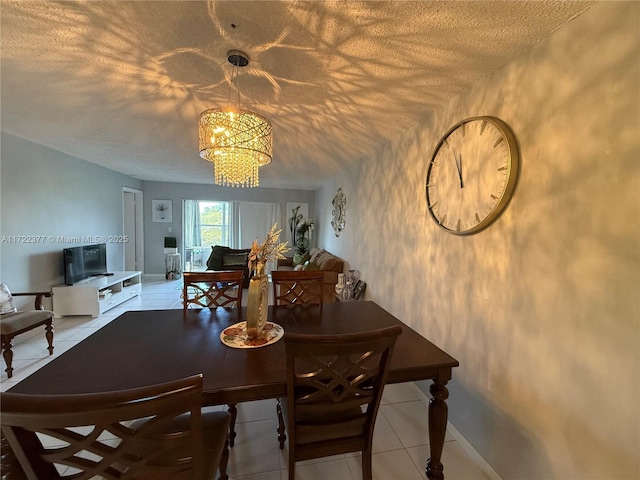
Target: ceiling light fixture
pixel 236 141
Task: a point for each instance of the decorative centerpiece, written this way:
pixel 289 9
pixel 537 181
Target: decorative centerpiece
pixel 260 254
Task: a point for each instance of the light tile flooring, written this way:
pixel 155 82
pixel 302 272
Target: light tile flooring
pixel 400 441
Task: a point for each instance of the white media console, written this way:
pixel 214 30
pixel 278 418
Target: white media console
pixel 96 295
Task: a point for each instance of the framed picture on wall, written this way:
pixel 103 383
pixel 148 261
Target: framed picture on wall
pixel 358 291
pixel 296 213
pixel 161 210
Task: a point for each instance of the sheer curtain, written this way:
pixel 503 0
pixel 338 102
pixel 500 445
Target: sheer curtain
pixel 192 231
pixel 192 234
pixel 253 221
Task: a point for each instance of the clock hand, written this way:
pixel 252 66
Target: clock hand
pixel 458 161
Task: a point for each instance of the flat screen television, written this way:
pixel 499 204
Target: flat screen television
pixel 84 262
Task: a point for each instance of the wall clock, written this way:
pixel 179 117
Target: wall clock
pixel 472 175
pixel 339 212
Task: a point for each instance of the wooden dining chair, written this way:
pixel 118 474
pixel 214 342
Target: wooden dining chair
pixel 153 432
pixel 212 289
pixel 221 288
pixel 334 387
pixel 297 287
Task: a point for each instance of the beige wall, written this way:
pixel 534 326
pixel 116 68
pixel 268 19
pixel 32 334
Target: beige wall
pixel 542 309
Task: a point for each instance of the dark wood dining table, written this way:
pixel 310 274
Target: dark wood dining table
pixel 154 346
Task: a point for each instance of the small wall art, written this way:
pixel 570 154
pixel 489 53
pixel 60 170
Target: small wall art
pixel 161 211
pixel 339 212
pixel 296 213
pixel 358 291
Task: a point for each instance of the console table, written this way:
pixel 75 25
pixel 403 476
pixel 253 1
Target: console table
pixel 96 295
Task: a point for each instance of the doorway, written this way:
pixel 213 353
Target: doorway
pixel 132 229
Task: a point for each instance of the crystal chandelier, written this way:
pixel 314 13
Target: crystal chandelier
pixel 236 141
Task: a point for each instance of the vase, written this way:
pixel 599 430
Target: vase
pixel 257 303
pixel 347 292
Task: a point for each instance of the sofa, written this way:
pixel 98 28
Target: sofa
pixel 225 258
pixel 317 259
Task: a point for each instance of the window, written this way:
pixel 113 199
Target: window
pixel 206 223
pixel 214 223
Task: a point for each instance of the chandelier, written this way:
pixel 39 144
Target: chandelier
pixel 236 141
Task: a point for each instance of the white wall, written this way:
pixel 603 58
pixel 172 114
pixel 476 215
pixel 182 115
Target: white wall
pixel 542 309
pixel 49 197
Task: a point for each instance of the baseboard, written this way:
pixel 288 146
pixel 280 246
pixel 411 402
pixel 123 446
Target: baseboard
pixel 472 452
pixel 466 446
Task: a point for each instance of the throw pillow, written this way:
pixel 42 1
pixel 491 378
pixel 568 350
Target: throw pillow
pixel 300 259
pixel 326 261
pixel 314 252
pixel 310 266
pixel 215 259
pixel 6 300
pixel 234 259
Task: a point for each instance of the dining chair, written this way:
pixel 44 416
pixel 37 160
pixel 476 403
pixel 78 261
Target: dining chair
pixel 221 288
pixel 297 287
pixel 334 387
pixel 151 432
pixel 212 289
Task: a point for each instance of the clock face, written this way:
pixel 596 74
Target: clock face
pixel 472 175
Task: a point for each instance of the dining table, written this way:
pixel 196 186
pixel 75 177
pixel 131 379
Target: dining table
pixel 147 347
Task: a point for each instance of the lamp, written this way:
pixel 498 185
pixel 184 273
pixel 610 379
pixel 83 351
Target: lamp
pixel 236 141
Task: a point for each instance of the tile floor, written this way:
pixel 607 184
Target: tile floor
pixel 400 442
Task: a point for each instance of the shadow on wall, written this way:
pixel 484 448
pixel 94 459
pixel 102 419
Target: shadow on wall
pixel 518 449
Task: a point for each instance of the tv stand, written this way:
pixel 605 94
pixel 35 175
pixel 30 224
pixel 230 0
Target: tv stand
pixel 96 295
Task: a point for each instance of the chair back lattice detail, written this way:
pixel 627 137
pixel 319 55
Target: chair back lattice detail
pixel 301 287
pixel 334 388
pixel 150 432
pixel 212 289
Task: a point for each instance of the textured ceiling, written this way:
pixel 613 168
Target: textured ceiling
pixel 121 83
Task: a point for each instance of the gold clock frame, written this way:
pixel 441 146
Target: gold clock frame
pixel 513 167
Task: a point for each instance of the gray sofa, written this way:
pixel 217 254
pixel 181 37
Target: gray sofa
pixel 225 258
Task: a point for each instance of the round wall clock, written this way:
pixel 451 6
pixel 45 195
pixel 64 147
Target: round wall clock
pixel 339 212
pixel 472 175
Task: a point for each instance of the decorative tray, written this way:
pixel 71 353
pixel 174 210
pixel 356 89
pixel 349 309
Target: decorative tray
pixel 236 335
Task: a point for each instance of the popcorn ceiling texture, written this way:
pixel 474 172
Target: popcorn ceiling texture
pixel 121 83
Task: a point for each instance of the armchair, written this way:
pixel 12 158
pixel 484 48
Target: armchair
pixel 14 322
